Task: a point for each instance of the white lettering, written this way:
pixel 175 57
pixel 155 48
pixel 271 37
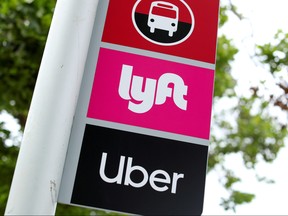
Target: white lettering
pixel 125 81
pixel 154 179
pixel 146 97
pixel 131 88
pixel 176 176
pixel 157 176
pixel 163 91
pixel 130 169
pixel 118 178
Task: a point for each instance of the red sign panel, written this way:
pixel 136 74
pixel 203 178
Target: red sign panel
pixel 180 28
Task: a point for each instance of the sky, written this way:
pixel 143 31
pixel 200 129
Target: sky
pixel 265 17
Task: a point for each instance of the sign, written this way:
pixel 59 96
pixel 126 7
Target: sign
pixel 117 94
pixel 140 136
pixel 163 22
pixel 198 43
pixel 139 174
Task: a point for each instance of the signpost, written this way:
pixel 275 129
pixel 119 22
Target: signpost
pixel 40 162
pixel 139 141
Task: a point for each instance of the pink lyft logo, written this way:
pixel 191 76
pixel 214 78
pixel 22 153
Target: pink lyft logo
pixel 131 88
pixel 152 93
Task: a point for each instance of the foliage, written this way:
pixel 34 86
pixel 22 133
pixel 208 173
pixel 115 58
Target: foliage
pixel 224 82
pixel 236 198
pixel 7 163
pixel 253 132
pixel 23 30
pixel 275 55
pixel 248 128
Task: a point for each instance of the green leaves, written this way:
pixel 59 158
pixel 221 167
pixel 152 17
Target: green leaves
pixel 23 31
pixel 7 163
pixel 224 82
pixel 259 134
pixel 274 54
pixel 249 126
pixel 236 198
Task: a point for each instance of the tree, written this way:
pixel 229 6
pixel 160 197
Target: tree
pixel 254 132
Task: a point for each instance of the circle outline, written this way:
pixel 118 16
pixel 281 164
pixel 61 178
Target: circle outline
pixel 159 43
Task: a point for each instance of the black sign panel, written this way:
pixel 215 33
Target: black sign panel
pixel 139 174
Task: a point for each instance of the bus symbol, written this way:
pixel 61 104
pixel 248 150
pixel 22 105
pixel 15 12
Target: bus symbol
pixel 164 16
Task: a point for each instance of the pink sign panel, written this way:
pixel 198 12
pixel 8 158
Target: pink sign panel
pixel 152 93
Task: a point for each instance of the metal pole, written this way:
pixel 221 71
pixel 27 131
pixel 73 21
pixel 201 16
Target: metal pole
pixel 38 172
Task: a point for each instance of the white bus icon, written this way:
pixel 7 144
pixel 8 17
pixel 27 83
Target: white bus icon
pixel 163 15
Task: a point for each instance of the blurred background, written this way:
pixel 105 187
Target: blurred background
pixel 247 167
